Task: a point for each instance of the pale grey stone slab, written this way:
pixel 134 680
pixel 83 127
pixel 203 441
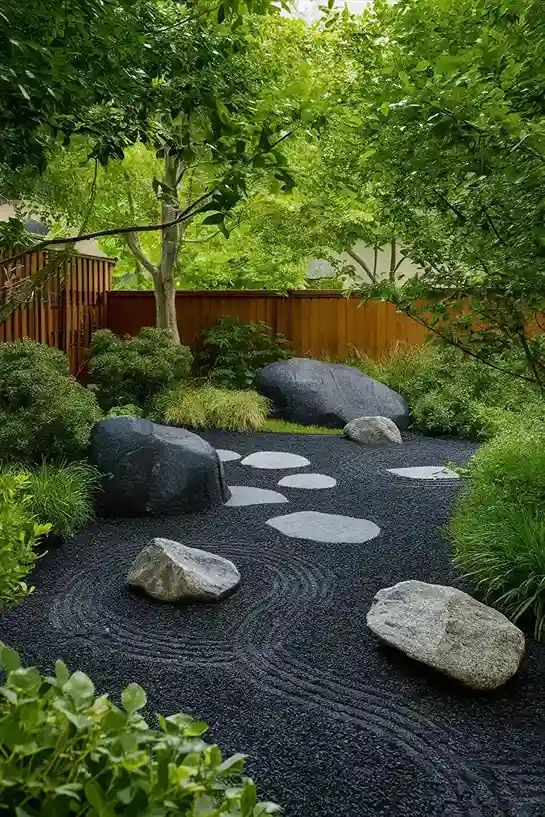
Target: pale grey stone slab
pixel 310 481
pixel 425 472
pixel 227 456
pixel 170 571
pixel 325 527
pixel 247 495
pixel 275 460
pixel 448 630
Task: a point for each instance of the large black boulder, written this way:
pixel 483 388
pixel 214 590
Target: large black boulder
pixel 149 469
pixel 328 394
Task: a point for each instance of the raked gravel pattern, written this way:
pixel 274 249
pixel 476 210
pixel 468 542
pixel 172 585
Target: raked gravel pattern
pixel 285 669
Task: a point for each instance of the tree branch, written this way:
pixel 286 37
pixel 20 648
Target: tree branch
pixel 133 243
pixel 359 260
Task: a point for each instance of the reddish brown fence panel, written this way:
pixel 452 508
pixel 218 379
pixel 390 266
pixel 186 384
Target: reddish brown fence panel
pixel 318 323
pixel 71 306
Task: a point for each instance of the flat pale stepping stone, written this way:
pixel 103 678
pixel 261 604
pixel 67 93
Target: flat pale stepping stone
pixel 325 527
pixel 310 481
pixel 272 460
pixel 246 495
pixel 425 472
pixel 227 456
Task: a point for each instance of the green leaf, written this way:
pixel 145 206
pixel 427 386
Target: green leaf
pixel 133 698
pixel 80 688
pixel 9 659
pixel 215 218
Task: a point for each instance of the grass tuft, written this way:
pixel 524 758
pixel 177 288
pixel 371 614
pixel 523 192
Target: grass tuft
pixel 210 407
pixel 287 427
pixel 60 494
pixel 498 527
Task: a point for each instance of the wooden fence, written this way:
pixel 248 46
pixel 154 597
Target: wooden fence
pixel 71 306
pixel 318 323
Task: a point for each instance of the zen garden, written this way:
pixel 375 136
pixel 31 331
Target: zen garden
pixel 272 408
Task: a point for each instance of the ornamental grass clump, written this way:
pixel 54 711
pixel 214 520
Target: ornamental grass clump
pixel 210 407
pixel 498 527
pixel 67 751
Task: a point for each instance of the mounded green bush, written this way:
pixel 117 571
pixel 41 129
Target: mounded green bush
pixel 19 532
pixel 66 751
pixel 498 527
pixel 233 352
pixel 59 494
pixel 44 411
pixel 135 370
pixel 210 407
pixel 451 393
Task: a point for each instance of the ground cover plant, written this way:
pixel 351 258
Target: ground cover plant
pixel 68 751
pixel 287 427
pixel 19 533
pixel 233 352
pixel 452 393
pixel 135 370
pixel 210 407
pixel 498 528
pixel 44 411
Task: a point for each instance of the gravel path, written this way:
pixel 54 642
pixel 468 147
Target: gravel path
pixel 285 669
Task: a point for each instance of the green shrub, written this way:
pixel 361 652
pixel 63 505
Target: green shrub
pixel 498 528
pixel 67 751
pixel 44 411
pixel 129 410
pixel 19 532
pixel 451 393
pixel 233 352
pixel 60 494
pixel 210 407
pixel 135 370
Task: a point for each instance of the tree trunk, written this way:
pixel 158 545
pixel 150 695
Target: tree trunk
pixel 164 286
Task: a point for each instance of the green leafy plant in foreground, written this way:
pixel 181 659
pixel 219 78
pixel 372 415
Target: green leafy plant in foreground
pixel 66 751
pixel 233 352
pixel 19 533
pixel 498 527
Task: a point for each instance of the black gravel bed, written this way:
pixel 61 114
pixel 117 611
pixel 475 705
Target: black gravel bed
pixel 285 669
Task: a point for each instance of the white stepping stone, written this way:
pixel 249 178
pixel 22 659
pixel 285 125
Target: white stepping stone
pixel 246 495
pixel 275 460
pixel 310 481
pixel 227 456
pixel 325 527
pixel 425 472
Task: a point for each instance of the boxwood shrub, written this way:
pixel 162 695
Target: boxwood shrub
pixel 134 370
pixel 67 751
pixel 44 411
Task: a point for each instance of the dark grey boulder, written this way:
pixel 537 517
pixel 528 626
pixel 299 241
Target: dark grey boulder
pixel 149 469
pixel 328 394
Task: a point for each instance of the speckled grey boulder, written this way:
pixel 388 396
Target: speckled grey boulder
pixel 449 631
pixel 150 469
pixel 328 394
pixel 169 571
pixel 373 431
